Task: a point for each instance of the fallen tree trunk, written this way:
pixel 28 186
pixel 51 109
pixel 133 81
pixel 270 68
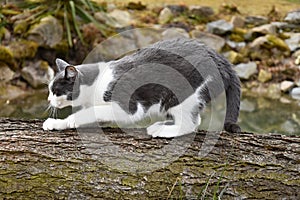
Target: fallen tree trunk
pixel 116 165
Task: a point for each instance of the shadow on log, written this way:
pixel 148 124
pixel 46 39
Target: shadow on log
pixel 128 164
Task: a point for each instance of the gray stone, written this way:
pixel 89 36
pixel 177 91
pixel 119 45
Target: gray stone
pixel 256 20
pixel 9 92
pixel 237 22
pixel 265 29
pixel 271 41
pixel 219 27
pixel 213 41
pixel 37 74
pixel 122 17
pixel 174 33
pixel 146 36
pixel 235 45
pixel 48 32
pixel 113 48
pixel 177 9
pixel 201 11
pixel 6 74
pixel 294 41
pixel 293 17
pixel 165 15
pixel 295 93
pixel 247 106
pixel 286 26
pixel 286 85
pixel 116 18
pixel 245 70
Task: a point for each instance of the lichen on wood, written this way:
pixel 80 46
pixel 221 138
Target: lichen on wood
pixel 57 165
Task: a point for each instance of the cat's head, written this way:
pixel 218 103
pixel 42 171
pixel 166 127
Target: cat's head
pixel 63 89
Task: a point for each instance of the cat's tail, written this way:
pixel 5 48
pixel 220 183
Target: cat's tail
pixel 233 95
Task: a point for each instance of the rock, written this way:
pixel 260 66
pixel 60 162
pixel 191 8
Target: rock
pixel 136 6
pixel 5 34
pixel 264 76
pixel 177 9
pixel 256 20
pixel 237 22
pixel 236 45
pixel 115 47
pixel 233 57
pixel 245 70
pixel 37 74
pixel 110 7
pixel 201 11
pixel 258 42
pixel 6 56
pixel 265 29
pixel 116 18
pixel 286 85
pixel 295 93
pixel 165 16
pixel 9 92
pixel 273 91
pixel 213 41
pixel 219 27
pixel 294 41
pixel 293 17
pixel 247 106
pixel 145 36
pixel 122 18
pixel 48 32
pixel 23 49
pixel 277 42
pixel 286 26
pixel 269 42
pixel 6 74
pixel 297 60
pixel 21 26
pixel 174 33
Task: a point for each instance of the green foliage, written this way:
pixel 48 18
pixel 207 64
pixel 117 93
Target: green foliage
pixel 71 12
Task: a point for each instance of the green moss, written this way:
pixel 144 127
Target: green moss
pixel 277 42
pixel 23 49
pixel 6 56
pixel 236 37
pixel 21 27
pixel 130 181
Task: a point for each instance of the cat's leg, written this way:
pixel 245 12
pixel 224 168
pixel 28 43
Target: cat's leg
pixel 186 119
pixel 103 113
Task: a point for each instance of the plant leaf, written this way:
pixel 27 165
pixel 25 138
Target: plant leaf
pixel 73 12
pixel 85 15
pixel 69 36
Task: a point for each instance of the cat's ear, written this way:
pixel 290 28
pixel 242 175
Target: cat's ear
pixel 71 72
pixel 61 64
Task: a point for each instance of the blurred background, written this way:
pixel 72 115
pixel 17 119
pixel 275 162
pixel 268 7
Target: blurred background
pixel 260 38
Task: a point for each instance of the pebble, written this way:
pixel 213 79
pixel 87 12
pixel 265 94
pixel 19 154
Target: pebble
pixel 245 70
pixel 219 27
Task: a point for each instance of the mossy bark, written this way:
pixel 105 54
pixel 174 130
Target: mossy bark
pixel 56 165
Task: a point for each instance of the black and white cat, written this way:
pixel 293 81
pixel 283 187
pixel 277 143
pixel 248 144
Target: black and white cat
pixel 172 80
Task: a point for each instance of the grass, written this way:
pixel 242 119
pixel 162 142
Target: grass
pixel 71 12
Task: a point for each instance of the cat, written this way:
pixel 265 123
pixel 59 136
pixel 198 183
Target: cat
pixel 171 79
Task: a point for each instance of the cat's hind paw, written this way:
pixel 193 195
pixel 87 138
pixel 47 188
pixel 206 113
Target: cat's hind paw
pixel 159 129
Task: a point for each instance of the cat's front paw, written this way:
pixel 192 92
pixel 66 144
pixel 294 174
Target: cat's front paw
pixel 55 124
